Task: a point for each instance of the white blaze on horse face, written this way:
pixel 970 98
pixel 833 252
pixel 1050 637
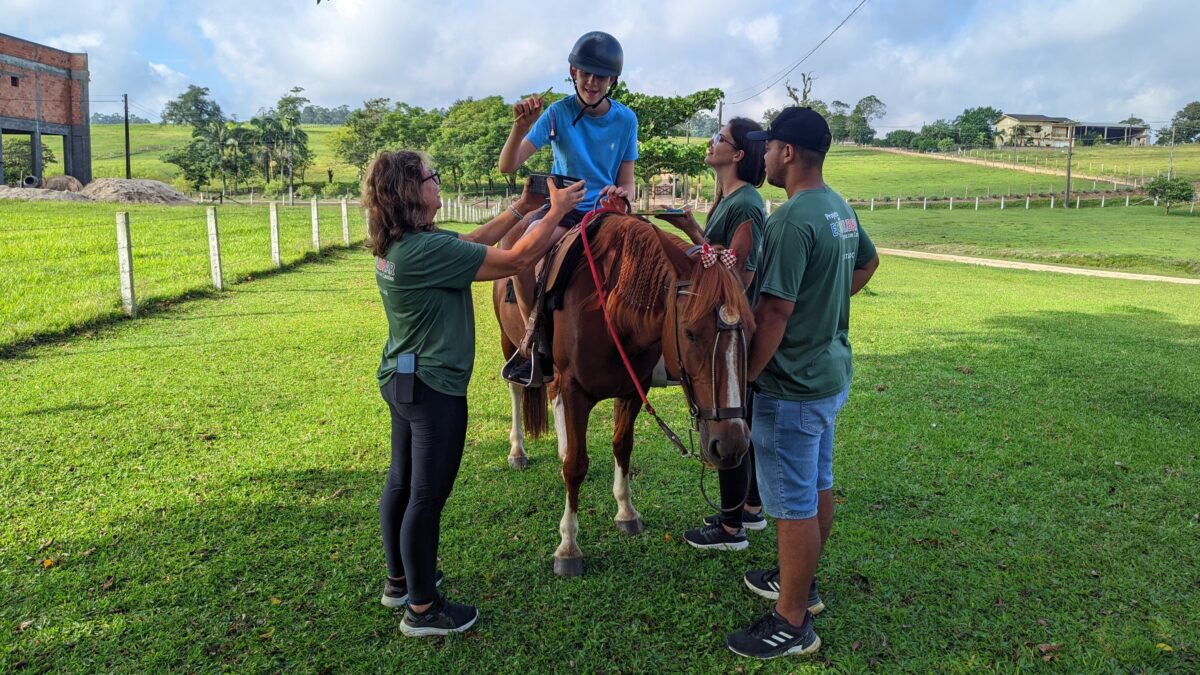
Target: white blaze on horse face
pixel 625 510
pixel 733 386
pixel 568 529
pixel 516 435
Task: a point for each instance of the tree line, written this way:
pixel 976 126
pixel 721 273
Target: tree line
pixel 271 146
pixel 465 139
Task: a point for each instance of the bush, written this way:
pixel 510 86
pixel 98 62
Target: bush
pixel 1171 190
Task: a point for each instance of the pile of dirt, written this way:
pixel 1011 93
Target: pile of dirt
pixel 63 184
pixel 133 192
pixel 40 195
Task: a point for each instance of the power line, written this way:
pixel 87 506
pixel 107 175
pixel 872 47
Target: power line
pixel 805 57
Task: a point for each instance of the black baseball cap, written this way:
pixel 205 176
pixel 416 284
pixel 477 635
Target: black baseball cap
pixel 804 127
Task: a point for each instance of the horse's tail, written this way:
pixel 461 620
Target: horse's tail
pixel 533 411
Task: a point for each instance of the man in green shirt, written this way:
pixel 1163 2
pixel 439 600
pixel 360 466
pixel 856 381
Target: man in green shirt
pixel 813 257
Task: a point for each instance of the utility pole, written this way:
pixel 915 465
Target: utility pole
pixel 1171 161
pixel 128 172
pixel 721 113
pixel 291 165
pixel 1070 147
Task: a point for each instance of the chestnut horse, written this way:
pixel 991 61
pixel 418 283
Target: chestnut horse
pixel 657 298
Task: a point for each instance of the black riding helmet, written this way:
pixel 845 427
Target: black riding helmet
pixel 600 54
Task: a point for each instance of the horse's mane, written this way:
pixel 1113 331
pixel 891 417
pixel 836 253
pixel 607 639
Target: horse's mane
pixel 639 273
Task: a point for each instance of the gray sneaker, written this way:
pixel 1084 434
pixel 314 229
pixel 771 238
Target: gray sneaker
pixel 750 520
pixel 396 594
pixel 442 618
pixel 716 538
pixel 766 584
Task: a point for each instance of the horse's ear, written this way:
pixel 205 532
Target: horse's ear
pixel 743 242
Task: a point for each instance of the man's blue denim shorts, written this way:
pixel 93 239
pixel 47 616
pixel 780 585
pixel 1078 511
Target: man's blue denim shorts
pixel 793 452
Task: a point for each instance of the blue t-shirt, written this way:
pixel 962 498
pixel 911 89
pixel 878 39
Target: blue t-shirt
pixel 593 149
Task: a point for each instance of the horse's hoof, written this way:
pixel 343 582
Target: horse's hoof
pixel 630 526
pixel 518 463
pixel 568 567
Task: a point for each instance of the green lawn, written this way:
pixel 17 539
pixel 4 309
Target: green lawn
pixel 1135 239
pixel 58 260
pixel 1106 160
pixel 197 491
pixel 148 142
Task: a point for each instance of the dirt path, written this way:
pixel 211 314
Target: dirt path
pixel 1075 175
pixel 1038 267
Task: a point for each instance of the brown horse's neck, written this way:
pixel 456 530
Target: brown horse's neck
pixel 636 265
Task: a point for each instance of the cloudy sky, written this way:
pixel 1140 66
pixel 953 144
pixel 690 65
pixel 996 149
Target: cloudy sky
pixel 1093 60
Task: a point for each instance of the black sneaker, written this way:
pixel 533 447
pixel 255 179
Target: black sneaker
pixel 750 521
pixel 396 595
pixel 766 584
pixel 442 618
pixel 715 537
pixel 773 636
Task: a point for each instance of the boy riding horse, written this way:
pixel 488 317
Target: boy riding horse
pixel 592 137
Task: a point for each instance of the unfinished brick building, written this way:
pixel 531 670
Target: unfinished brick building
pixel 44 92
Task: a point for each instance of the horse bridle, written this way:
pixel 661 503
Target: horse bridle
pixel 712 413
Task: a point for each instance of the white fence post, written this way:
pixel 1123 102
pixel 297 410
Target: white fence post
pixel 1001 202
pixel 977 203
pixel 125 264
pixel 924 203
pixel 897 203
pixel 872 203
pixel 214 250
pixel 1101 201
pixel 316 227
pixel 952 203
pixel 345 224
pixel 1026 202
pixel 1051 201
pixel 275 235
pixel 1077 198
pixel 251 197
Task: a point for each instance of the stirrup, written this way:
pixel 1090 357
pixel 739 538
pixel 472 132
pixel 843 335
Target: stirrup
pixel 527 373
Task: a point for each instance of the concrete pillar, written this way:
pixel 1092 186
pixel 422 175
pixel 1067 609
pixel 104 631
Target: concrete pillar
pixel 1 157
pixel 35 150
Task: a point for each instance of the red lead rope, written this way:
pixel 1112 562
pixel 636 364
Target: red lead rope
pixel 587 250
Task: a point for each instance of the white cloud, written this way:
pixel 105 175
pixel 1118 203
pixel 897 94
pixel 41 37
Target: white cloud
pixel 1090 59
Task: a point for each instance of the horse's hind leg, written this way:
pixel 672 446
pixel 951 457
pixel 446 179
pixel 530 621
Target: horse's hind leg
pixel 517 458
pixel 625 411
pixel 568 558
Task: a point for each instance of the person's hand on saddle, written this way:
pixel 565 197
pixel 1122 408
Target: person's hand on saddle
pixel 564 200
pixel 528 202
pixel 614 195
pixel 526 111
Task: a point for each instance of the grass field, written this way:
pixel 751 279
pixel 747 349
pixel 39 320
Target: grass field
pixel 1106 160
pixel 148 142
pixel 58 260
pixel 1136 239
pixel 197 490
pixel 860 173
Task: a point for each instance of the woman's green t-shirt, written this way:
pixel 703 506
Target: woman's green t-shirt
pixel 734 209
pixel 425 284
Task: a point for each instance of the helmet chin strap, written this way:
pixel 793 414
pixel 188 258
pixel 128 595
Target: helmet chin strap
pixel 584 107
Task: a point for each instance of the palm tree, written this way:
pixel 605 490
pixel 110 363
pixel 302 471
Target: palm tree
pixel 270 142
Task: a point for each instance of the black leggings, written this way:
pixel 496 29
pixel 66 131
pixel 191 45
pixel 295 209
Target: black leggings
pixel 738 485
pixel 427 447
